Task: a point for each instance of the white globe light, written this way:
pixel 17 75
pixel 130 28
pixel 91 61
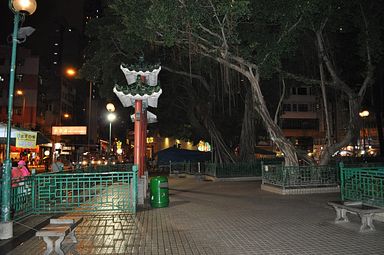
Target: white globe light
pixel 24 6
pixel 110 107
pixel 111 117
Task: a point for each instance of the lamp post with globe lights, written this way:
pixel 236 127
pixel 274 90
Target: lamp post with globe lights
pixel 20 8
pixel 364 114
pixel 21 94
pixel 111 117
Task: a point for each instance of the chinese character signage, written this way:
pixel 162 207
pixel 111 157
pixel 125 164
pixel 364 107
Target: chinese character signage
pixel 26 139
pixel 69 130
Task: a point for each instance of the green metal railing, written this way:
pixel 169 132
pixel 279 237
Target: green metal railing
pixel 115 189
pixel 85 192
pixel 227 170
pixel 100 168
pixel 363 184
pixel 22 193
pixel 243 169
pixel 238 169
pixel 300 176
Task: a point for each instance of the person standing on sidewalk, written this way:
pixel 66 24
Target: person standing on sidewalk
pixel 16 174
pixel 22 166
pixel 57 166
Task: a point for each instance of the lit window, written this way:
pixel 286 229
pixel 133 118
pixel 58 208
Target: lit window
pixel 19 77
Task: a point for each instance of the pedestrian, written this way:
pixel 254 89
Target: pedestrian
pixel 22 166
pixel 46 163
pixel 57 166
pixel 16 174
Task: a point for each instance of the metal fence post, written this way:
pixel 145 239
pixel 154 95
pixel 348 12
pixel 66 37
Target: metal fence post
pixel 262 171
pixel 134 185
pixel 342 180
pixel 33 192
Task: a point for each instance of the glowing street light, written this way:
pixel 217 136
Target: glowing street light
pixel 111 117
pixel 364 114
pixel 110 107
pixel 70 72
pixel 21 93
pixel 20 8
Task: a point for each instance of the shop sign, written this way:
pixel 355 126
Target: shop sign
pixel 69 130
pixel 26 139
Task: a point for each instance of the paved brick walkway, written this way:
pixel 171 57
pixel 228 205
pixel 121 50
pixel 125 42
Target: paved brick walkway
pixel 222 218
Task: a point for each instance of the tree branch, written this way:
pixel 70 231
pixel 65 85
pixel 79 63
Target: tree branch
pixel 370 68
pixel 195 76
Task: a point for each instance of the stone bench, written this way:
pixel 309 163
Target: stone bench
pixel 58 228
pixel 365 212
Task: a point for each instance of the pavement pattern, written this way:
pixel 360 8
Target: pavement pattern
pixel 222 218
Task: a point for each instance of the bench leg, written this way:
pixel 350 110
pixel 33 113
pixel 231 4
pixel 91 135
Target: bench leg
pixel 72 235
pixel 58 242
pixel 341 215
pixel 366 223
pixel 49 243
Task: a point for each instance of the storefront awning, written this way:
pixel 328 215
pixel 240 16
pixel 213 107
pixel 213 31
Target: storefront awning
pixel 41 139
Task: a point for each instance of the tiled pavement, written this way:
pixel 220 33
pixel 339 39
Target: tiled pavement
pixel 222 218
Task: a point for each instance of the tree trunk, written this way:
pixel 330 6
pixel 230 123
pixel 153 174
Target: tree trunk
pixel 248 129
pixel 352 131
pixel 275 132
pixel 221 152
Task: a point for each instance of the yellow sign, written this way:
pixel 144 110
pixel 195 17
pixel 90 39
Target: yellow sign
pixel 69 130
pixel 26 139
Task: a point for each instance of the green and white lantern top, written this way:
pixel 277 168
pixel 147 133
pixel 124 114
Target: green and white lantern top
pixel 142 84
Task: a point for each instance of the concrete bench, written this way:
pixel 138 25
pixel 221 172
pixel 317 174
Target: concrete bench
pixel 365 212
pixel 58 228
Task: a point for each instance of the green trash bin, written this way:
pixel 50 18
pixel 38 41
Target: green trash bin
pixel 159 192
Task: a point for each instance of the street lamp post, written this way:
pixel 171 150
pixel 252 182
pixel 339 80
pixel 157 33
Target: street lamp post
pixel 111 117
pixel 364 114
pixel 68 72
pixel 20 8
pixel 89 115
pixel 21 93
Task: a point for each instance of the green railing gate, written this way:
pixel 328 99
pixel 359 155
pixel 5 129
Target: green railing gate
pixel 113 190
pixel 85 192
pixel 363 184
pixel 291 177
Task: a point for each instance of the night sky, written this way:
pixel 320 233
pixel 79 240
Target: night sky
pixel 47 10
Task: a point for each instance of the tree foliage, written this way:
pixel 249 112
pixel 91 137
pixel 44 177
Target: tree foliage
pixel 250 40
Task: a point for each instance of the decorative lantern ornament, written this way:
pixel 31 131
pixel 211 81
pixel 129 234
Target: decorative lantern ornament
pixel 142 84
pixel 141 91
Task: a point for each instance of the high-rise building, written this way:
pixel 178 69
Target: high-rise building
pixel 26 87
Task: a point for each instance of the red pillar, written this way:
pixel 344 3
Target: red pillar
pixel 138 134
pixel 143 140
